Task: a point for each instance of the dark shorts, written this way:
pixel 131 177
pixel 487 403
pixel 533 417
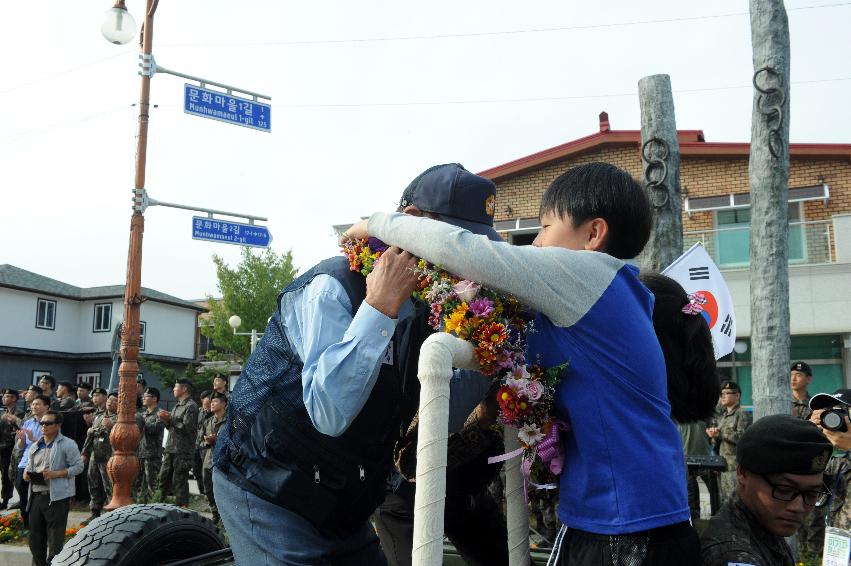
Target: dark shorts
pixel 664 546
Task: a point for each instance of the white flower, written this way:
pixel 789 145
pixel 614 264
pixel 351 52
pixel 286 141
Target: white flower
pixel 466 290
pixel 519 372
pixel 530 435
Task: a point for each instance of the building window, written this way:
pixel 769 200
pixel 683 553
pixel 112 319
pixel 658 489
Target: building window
pixel 142 328
pixel 91 378
pixel 103 318
pixel 46 314
pixel 522 239
pixel 733 236
pixel 38 374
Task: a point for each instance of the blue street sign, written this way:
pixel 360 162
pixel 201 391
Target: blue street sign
pixel 227 232
pixel 227 108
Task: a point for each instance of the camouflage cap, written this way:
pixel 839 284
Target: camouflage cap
pixel 783 444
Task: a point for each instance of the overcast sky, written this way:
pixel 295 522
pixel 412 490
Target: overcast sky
pixel 365 95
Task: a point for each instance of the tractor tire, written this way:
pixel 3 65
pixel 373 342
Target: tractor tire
pixel 141 535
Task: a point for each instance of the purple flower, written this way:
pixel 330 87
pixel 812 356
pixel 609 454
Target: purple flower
pixel 482 307
pixel 376 245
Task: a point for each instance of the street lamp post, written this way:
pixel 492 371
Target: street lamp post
pixel 235 322
pixel 123 466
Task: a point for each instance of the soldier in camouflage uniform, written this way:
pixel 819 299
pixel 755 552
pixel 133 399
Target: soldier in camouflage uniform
pixel 726 434
pixel 10 419
pixel 204 414
pixel 800 376
pixel 150 451
pixel 97 451
pixel 84 396
pixel 182 425
pixel 780 481
pixel 218 407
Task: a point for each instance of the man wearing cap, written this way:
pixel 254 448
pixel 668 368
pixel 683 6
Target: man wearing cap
pixel 779 483
pixel 141 384
pixel 799 379
pixel 84 396
pixel 308 442
pixel 182 425
pixel 201 447
pixel 10 419
pixel 150 452
pixel 97 450
pixel 212 426
pixel 837 473
pixel 726 434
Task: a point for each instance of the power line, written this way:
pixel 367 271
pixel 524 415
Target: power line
pixel 489 33
pixel 535 99
pixel 65 72
pixel 51 127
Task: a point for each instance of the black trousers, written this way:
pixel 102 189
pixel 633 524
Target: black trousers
pixel 23 488
pixel 665 546
pixel 48 521
pixel 474 524
pixel 7 480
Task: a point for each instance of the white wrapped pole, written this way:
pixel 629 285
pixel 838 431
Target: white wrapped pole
pixel 517 511
pixel 438 355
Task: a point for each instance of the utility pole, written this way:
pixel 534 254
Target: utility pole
pixel 125 435
pixel 660 155
pixel 769 189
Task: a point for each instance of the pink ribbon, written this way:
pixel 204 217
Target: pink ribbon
pixel 549 449
pixel 504 457
pixel 695 303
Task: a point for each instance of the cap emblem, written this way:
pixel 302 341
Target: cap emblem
pixel 490 205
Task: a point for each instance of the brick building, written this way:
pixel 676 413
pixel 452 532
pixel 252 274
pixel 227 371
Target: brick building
pixel 714 181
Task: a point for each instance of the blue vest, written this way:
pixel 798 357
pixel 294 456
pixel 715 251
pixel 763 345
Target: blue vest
pixel 624 469
pixel 270 447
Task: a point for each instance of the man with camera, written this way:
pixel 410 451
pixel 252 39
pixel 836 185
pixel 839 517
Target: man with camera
pixel 779 481
pixel 830 414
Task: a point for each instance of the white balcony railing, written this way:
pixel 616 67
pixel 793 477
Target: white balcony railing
pixel 809 242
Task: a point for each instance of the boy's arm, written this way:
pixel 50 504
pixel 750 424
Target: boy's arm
pixel 562 284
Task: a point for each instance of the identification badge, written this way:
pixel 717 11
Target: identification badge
pixel 387 358
pixel 837 547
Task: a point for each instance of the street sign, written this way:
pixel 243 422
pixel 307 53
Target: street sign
pixel 226 108
pixel 227 232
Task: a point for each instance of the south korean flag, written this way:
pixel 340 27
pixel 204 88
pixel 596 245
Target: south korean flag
pixel 697 273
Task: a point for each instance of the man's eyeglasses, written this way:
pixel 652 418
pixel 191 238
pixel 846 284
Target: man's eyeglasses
pixel 811 497
pixel 47 423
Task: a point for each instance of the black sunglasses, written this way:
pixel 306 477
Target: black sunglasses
pixel 47 423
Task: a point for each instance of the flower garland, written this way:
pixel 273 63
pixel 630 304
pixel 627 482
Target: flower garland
pixel 496 324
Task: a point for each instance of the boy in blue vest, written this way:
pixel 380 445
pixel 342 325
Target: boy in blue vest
pixel 622 493
pixel 304 457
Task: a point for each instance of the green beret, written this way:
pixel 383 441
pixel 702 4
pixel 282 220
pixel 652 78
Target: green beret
pixel 783 444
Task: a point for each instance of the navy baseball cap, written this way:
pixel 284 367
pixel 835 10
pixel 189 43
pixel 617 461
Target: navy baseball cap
pixel 458 196
pixel 823 400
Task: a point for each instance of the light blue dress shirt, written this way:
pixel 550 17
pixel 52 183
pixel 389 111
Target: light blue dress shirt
pixel 33 425
pixel 342 355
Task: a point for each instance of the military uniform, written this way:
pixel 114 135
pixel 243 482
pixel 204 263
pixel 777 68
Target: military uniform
pixel 731 425
pixel 8 432
pixel 150 453
pixel 211 426
pixel 734 536
pixel 201 449
pixel 179 450
pixel 98 451
pixel 801 408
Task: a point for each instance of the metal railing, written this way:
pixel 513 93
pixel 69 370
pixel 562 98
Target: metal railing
pixel 809 242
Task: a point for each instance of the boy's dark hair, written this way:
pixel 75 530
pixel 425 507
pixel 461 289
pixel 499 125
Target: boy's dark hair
pixel 49 378
pixel 693 384
pixel 601 190
pixel 57 416
pixel 43 398
pixel 205 394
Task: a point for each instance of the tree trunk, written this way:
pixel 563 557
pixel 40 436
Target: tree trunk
pixel 660 151
pixel 769 177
